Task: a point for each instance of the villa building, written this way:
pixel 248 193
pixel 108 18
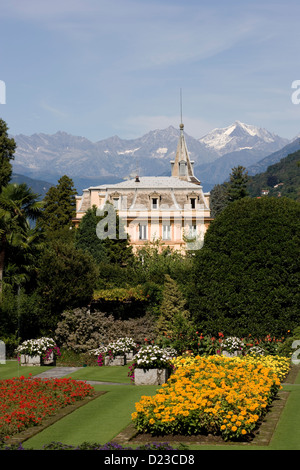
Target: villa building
pixel 173 209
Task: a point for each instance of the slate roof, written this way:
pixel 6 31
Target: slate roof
pixel 150 182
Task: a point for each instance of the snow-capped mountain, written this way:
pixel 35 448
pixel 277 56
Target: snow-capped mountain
pixel 48 157
pixel 239 136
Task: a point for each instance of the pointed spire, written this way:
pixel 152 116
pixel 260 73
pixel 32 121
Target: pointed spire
pixel 182 166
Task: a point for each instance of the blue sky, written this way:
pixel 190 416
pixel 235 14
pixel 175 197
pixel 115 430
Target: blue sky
pixel 98 68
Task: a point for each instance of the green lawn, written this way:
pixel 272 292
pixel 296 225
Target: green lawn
pixel 115 374
pixel 13 369
pixel 102 419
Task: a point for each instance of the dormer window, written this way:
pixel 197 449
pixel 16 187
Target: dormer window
pixel 116 203
pixel 154 199
pixel 115 199
pixel 192 200
pixel 182 168
pixel 154 203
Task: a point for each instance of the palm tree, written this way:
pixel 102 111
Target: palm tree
pixel 18 206
pixel 21 254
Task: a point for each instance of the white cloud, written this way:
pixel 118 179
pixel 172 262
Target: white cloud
pixel 57 112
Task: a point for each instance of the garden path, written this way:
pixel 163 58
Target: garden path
pixel 59 372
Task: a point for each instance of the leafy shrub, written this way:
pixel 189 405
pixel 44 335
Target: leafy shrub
pixel 246 276
pixel 82 331
pixel 285 348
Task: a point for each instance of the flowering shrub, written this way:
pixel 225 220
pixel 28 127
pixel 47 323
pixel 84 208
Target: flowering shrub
pixel 218 395
pixel 268 344
pixel 95 446
pixel 232 344
pixel 26 402
pixel 205 345
pixel 121 294
pixel 256 351
pixel 154 357
pixel 81 331
pixel 278 364
pixel 119 347
pixel 38 347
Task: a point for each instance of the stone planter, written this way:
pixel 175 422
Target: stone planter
pixel 129 356
pixel 150 376
pixel 232 354
pixel 30 360
pixel 115 361
pixel 37 360
pixel 51 361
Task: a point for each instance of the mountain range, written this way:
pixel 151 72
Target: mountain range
pixel 47 157
pixel 280 179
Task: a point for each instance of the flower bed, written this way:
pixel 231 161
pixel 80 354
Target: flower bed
pixel 217 395
pixel 26 402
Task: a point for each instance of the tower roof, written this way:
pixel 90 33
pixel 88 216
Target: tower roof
pixel 182 166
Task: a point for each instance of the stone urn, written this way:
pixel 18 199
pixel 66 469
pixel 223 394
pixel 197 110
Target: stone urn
pixel 150 376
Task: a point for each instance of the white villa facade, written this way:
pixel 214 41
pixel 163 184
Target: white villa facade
pixel 173 209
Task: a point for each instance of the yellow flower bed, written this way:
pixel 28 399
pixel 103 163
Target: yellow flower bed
pixel 216 394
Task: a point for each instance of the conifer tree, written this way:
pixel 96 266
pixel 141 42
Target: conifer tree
pixel 237 187
pixel 59 206
pixel 174 320
pixel 234 189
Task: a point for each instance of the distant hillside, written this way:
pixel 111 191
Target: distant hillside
pixel 275 157
pixel 39 187
pixel 280 179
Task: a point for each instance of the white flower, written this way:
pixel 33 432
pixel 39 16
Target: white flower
pixel 35 347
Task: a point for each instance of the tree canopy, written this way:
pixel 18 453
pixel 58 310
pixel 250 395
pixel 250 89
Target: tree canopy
pixel 18 205
pixel 66 278
pixel 86 237
pixel 7 150
pixel 246 277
